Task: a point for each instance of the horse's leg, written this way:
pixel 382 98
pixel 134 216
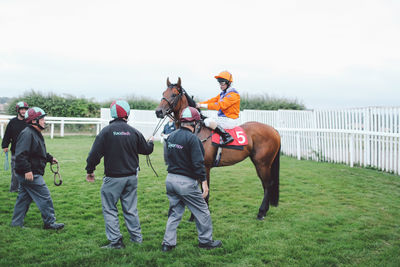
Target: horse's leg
pixel 264 173
pixel 191 219
pixel 262 212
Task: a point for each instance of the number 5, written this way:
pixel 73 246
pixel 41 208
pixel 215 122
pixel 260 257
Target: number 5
pixel 240 137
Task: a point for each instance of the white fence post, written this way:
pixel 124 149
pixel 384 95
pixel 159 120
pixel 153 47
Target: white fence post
pixel 62 128
pixel 2 130
pixel 298 145
pixel 351 150
pixel 367 148
pixel 52 131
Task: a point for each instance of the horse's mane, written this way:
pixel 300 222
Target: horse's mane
pixel 190 100
pixel 192 103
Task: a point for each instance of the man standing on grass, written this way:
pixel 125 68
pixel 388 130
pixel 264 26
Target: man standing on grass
pixel 185 167
pixel 14 127
pixel 30 161
pixel 120 145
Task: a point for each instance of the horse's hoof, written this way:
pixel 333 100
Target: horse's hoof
pixel 260 218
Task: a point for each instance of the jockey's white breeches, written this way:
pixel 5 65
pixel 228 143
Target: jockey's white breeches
pixel 224 122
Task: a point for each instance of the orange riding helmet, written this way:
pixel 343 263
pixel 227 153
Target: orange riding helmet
pixel 225 75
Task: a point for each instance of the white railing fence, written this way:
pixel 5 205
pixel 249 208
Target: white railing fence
pixel 52 121
pixel 368 137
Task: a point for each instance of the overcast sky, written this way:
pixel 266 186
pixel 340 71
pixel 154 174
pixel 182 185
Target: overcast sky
pixel 322 53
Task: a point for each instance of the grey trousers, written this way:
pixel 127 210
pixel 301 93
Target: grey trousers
pixel 36 191
pixel 124 189
pixel 14 181
pixel 181 191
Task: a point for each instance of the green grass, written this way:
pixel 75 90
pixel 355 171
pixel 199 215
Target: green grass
pixel 328 215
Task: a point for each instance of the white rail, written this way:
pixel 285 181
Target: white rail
pixel 62 121
pixel 368 137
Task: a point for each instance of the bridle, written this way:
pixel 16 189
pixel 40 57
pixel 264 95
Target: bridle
pixel 174 100
pixel 172 103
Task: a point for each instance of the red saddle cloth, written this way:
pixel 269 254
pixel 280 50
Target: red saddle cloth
pixel 237 133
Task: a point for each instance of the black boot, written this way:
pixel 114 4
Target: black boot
pixel 226 137
pixel 53 226
pixel 118 245
pixel 211 244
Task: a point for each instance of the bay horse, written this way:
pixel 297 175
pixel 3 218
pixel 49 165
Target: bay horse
pixel 263 146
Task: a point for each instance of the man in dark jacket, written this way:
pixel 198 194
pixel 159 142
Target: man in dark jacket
pixel 185 168
pixel 14 127
pixel 120 145
pixel 31 158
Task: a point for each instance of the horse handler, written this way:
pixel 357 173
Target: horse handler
pixel 13 129
pixel 120 145
pixel 30 161
pixel 186 166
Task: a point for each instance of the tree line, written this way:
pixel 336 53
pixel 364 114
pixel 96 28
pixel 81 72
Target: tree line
pixel 71 106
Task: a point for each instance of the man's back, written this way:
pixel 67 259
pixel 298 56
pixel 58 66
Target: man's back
pixel 120 145
pixel 185 154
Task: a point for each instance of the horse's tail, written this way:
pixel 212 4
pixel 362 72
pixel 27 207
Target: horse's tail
pixel 273 188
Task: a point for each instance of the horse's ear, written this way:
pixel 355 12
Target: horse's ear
pixel 179 81
pixel 168 82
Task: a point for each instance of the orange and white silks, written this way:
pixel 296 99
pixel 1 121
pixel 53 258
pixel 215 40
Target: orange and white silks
pixel 227 103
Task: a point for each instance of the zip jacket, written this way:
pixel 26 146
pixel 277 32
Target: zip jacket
pixel 120 145
pixel 30 152
pixel 186 154
pixel 227 103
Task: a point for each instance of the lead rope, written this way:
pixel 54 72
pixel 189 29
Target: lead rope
pixel 6 164
pixel 148 161
pixel 56 173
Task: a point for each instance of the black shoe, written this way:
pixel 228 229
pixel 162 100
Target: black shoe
pixel 118 245
pixel 54 226
pixel 226 137
pixel 136 241
pixel 211 244
pixel 166 248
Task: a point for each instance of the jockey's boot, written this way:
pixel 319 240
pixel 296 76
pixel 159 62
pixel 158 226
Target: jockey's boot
pixel 226 137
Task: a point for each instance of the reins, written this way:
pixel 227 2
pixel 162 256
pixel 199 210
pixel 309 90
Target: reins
pixel 56 173
pixel 148 161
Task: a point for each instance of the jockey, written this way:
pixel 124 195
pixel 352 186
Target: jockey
pixel 228 105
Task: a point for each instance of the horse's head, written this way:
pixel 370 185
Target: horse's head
pixel 173 100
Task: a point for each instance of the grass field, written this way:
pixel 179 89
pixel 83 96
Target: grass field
pixel 328 215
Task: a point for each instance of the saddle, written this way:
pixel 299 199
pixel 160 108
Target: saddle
pixel 239 136
pixel 240 140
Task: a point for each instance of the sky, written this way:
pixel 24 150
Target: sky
pixel 324 54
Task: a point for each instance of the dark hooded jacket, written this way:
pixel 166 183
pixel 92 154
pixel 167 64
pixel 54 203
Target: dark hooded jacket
pixel 30 152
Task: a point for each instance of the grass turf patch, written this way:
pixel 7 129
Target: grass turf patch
pixel 327 215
